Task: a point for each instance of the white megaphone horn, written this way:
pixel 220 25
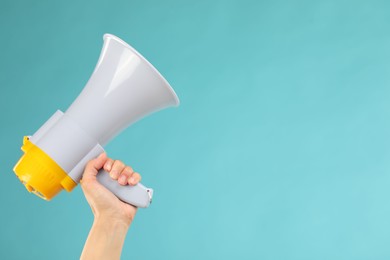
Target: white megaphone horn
pixel 123 88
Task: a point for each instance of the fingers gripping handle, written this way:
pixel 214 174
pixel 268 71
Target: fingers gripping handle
pixel 137 195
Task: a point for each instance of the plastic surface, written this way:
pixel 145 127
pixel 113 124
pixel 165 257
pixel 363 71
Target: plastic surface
pixel 138 195
pixel 65 142
pixel 40 174
pixel 36 167
pixel 123 88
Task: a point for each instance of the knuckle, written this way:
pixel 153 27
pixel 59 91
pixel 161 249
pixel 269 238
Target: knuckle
pixel 109 161
pixel 128 169
pixel 119 164
pixel 115 165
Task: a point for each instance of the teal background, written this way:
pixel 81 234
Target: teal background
pixel 279 150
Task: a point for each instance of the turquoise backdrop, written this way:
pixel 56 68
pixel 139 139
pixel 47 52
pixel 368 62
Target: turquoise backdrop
pixel 280 148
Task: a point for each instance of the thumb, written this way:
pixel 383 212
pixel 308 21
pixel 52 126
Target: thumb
pixel 93 167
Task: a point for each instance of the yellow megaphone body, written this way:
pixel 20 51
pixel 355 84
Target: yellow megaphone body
pixel 123 88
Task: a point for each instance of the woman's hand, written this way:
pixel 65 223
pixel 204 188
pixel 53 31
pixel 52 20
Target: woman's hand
pixel 112 216
pixel 104 203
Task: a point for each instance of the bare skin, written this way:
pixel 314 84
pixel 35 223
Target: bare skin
pixel 112 217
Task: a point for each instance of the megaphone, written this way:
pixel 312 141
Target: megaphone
pixel 123 88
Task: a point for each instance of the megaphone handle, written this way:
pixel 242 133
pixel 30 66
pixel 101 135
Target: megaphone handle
pixel 137 195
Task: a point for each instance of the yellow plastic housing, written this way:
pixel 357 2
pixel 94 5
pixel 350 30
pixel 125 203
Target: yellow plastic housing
pixel 41 174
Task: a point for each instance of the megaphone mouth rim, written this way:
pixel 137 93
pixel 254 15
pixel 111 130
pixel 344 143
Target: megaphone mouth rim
pixel 125 44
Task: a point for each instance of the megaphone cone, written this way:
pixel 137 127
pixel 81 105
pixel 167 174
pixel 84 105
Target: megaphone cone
pixel 123 88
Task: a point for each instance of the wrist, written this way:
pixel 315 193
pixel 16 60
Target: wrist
pixel 106 239
pixel 111 222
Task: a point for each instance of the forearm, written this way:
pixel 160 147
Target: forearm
pixel 105 240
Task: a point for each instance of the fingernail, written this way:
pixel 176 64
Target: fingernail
pixel 108 166
pixel 122 179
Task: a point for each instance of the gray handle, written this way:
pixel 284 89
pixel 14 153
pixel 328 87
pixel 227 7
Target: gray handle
pixel 137 195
